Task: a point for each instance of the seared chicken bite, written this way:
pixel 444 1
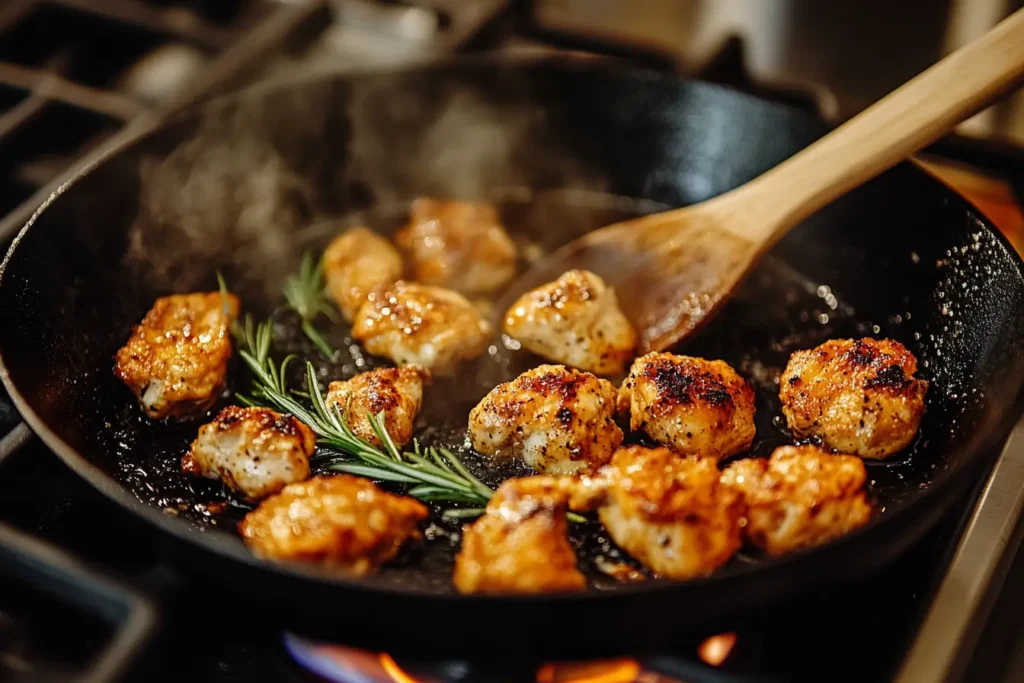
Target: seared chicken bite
pixel 412 323
pixel 397 392
pixel 342 522
pixel 557 420
pixel 574 320
pixel 667 511
pixel 458 245
pixel 800 497
pixel 858 397
pixel 520 544
pixel 694 406
pixel 254 451
pixel 175 361
pixel 357 262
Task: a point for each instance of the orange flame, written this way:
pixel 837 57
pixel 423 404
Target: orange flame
pixel 391 667
pixel 613 671
pixel 716 649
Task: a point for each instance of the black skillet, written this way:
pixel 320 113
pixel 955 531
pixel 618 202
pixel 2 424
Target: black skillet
pixel 245 183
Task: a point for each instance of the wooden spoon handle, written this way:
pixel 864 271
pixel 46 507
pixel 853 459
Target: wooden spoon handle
pixel 889 131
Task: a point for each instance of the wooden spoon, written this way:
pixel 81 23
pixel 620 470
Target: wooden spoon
pixel 673 270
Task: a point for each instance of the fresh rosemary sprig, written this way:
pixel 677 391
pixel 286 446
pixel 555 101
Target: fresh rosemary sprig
pixel 304 292
pixel 267 376
pixel 432 474
pixel 223 286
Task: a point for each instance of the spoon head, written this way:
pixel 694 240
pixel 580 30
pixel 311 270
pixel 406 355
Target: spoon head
pixel 670 272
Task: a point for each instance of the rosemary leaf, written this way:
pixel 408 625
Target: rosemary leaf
pixel 370 472
pixel 317 398
pixel 462 513
pixel 247 401
pixel 314 336
pixel 257 368
pixel 436 457
pixel 304 292
pixel 377 423
pixel 443 496
pixel 431 478
pixel 427 466
pixel 481 487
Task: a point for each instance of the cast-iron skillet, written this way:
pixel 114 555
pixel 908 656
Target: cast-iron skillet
pixel 243 184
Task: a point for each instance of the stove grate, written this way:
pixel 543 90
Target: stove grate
pixel 84 68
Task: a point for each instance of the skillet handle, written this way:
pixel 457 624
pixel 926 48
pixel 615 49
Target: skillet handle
pixel 903 122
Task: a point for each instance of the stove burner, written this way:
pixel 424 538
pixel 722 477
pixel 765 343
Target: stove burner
pixel 341 664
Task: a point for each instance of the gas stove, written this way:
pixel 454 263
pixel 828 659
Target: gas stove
pixel 87 593
pixel 198 638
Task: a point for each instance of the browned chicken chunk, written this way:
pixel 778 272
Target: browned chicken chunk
pixel 344 523
pixel 574 320
pixel 858 397
pixel 520 544
pixel 396 392
pixel 176 360
pixel 693 406
pixel 357 262
pixel 667 511
pixel 800 497
pixel 254 451
pixel 459 245
pixel 557 420
pixel 429 326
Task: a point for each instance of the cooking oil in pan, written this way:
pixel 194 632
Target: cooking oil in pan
pixel 777 311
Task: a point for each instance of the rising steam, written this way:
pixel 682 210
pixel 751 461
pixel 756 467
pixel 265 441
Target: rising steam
pixel 261 168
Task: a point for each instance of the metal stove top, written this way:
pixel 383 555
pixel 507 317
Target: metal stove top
pixel 111 593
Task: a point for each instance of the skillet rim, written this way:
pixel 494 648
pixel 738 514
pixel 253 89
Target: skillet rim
pixel 183 531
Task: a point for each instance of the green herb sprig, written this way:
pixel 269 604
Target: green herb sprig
pixel 432 474
pixel 304 292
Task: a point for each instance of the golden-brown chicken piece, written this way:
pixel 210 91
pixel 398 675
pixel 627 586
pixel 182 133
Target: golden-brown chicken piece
pixel 858 397
pixel 557 420
pixel 254 451
pixel 357 262
pixel 397 392
pixel 694 406
pixel 574 320
pixel 800 497
pixel 459 245
pixel 344 523
pixel 429 326
pixel 176 360
pixel 666 510
pixel 520 544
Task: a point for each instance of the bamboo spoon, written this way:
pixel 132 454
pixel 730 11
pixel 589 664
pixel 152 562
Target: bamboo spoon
pixel 673 270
